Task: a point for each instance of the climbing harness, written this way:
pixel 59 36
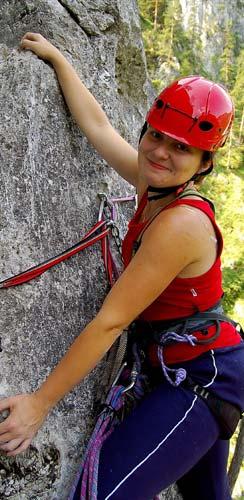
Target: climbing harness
pixel 134 380
pixel 101 231
pixel 226 414
pixel 163 333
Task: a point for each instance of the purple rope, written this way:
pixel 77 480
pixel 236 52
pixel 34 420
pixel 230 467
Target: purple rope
pixel 169 337
pixel 88 470
pixel 87 476
pixel 124 198
pixel 180 374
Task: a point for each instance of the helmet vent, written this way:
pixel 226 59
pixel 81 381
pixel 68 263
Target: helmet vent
pixel 159 104
pixel 205 126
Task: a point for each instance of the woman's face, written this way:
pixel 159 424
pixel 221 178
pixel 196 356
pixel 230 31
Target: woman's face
pixel 165 162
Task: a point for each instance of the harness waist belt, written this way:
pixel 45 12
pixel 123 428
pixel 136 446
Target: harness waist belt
pixel 146 332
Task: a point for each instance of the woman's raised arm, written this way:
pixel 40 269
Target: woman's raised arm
pixel 86 111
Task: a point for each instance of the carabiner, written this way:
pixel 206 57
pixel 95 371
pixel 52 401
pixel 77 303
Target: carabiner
pixel 106 202
pixel 133 376
pixel 103 201
pixel 119 373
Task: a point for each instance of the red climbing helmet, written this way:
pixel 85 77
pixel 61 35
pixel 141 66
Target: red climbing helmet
pixel 195 111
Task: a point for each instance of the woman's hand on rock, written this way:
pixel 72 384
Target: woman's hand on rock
pixel 40 46
pixel 26 415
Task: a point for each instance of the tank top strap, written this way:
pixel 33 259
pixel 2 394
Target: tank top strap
pixel 202 204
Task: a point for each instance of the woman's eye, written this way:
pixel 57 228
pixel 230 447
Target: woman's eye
pixel 156 135
pixel 181 147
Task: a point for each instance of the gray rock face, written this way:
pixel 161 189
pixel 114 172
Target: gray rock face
pixel 49 180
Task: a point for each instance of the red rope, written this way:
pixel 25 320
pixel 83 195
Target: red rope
pixel 99 232
pixel 89 239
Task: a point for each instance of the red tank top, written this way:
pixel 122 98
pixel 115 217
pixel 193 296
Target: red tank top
pixel 184 296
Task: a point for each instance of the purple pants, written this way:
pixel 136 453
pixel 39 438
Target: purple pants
pixel 173 437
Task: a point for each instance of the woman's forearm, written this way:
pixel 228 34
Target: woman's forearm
pixel 86 111
pixel 84 354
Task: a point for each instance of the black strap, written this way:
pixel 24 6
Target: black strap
pixel 211 316
pixel 161 192
pixel 218 317
pixel 149 331
pixel 226 414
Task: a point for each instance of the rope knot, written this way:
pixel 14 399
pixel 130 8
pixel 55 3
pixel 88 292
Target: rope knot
pixel 175 376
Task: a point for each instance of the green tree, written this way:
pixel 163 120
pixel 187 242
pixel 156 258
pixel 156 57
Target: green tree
pixel 238 97
pixel 194 43
pixel 148 8
pixel 228 69
pixel 236 146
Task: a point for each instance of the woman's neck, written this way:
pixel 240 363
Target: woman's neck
pixel 152 206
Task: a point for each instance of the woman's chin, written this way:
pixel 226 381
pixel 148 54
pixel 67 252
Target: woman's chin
pixel 153 179
pixel 155 182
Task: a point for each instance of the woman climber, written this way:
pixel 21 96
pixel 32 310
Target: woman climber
pixel 191 355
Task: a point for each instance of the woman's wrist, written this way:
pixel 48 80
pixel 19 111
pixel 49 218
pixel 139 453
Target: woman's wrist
pixel 45 400
pixel 57 59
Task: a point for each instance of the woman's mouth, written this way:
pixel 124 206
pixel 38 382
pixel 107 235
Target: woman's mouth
pixel 157 165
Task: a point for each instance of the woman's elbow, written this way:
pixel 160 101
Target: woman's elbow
pixel 109 325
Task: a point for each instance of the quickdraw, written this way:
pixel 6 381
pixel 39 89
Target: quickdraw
pixel 101 231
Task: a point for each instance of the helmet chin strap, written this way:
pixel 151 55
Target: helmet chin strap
pixel 163 192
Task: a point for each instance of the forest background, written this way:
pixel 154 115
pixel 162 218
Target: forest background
pixel 175 48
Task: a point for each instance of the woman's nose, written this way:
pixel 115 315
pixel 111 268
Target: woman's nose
pixel 162 150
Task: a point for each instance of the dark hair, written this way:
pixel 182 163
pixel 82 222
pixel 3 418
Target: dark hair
pixel 207 157
pixel 143 131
